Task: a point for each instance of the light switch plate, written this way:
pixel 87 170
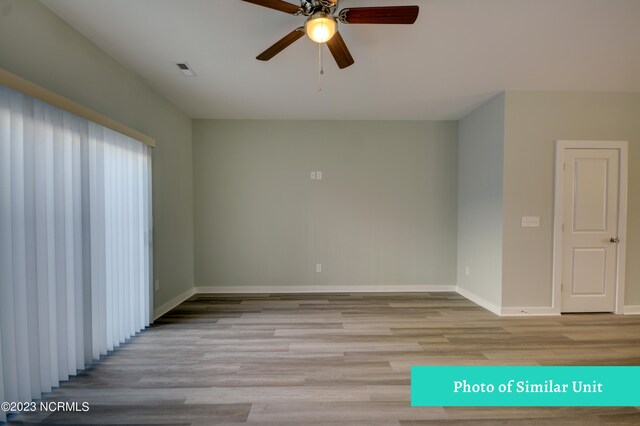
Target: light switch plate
pixel 319 175
pixel 313 175
pixel 530 221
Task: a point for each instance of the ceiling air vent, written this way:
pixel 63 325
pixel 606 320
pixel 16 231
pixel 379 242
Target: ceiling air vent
pixel 186 69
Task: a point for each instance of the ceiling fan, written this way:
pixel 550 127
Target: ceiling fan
pixel 322 24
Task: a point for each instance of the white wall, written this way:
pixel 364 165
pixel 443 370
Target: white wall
pixel 384 213
pixel 39 46
pixel 534 121
pixel 480 204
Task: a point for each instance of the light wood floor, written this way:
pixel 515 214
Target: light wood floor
pixel 334 359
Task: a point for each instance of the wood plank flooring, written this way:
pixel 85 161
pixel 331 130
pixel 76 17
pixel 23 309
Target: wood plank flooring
pixel 333 359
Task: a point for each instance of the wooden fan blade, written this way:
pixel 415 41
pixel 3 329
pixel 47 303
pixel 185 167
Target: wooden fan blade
pixel 282 44
pixel 280 5
pixel 340 52
pixel 380 15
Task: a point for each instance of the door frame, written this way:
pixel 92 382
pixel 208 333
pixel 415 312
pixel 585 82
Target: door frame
pixel 558 215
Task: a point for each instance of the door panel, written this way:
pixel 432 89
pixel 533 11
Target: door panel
pixel 590 221
pixel 590 195
pixel 589 274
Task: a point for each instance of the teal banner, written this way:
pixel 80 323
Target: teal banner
pixel 525 386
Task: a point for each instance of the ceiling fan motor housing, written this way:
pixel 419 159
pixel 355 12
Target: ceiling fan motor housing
pixel 310 7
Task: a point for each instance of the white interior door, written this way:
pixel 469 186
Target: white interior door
pixel 590 235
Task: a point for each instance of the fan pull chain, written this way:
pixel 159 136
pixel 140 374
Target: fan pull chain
pixel 321 69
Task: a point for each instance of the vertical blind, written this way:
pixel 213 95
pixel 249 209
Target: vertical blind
pixel 75 243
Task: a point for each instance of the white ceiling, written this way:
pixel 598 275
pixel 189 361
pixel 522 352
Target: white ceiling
pixel 458 54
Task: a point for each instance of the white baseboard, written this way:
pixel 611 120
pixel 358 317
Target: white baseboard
pixel 229 289
pixel 163 309
pixel 478 300
pixel 632 310
pixel 529 311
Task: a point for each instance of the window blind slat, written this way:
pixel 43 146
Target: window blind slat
pixel 18 240
pixel 7 316
pixel 41 247
pixel 29 160
pixel 51 244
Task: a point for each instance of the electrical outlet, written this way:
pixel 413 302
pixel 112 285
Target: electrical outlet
pixel 313 175
pixel 156 285
pixel 466 271
pixel 319 175
pixel 318 267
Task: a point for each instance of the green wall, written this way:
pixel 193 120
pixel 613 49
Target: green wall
pixel 383 215
pixel 533 122
pixel 37 45
pixel 480 167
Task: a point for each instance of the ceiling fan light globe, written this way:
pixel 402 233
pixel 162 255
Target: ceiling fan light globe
pixel 321 28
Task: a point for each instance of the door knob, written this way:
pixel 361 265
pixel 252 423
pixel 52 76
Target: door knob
pixel 614 240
